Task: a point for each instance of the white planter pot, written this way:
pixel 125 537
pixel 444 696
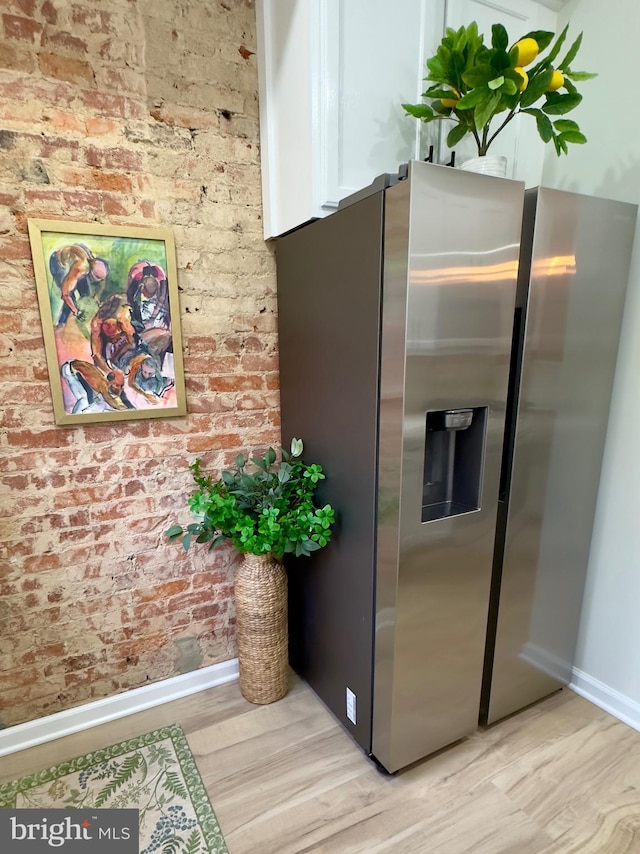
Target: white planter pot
pixel 490 164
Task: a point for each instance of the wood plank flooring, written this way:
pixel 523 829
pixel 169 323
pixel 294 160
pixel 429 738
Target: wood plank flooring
pixel 562 777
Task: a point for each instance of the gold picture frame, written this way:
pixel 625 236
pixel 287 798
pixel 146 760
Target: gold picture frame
pixel 108 298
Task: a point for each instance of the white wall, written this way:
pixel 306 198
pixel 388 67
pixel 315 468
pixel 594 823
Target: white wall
pixel 608 661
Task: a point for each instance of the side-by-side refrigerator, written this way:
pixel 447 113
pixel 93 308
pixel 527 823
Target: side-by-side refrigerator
pixel 395 332
pixel 574 266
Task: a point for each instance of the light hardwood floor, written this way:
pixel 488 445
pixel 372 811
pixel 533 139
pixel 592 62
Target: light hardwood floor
pixel 561 777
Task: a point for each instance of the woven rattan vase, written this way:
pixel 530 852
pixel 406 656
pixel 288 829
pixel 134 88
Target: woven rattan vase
pixel 261 628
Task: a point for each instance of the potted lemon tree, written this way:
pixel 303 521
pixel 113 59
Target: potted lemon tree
pixel 265 507
pixel 482 88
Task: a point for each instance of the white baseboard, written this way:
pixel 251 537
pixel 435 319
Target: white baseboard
pixel 606 698
pixel 28 734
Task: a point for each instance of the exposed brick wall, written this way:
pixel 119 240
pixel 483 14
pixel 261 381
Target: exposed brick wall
pixel 137 112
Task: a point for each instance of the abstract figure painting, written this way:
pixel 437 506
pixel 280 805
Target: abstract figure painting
pixel 108 299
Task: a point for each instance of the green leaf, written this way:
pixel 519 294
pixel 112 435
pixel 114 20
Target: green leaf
pixel 545 128
pixel 573 136
pixel 438 92
pixel 472 99
pixel 496 83
pixel 537 87
pixel 579 75
pixel 186 542
pixel 193 843
pixel 173 532
pixel 564 125
pixel 571 54
pixel 440 109
pixel 171 845
pixel 436 70
pixel 456 134
pixel 555 50
pixel 499 60
pixel 240 461
pixel 419 111
pixel 542 37
pixel 270 457
pixel 124 773
pixel 509 87
pixel 499 37
pixel 172 783
pixel 561 104
pixel 485 111
pixel 479 76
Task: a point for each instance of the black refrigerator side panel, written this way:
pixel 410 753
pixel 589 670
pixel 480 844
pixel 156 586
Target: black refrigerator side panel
pixel 329 296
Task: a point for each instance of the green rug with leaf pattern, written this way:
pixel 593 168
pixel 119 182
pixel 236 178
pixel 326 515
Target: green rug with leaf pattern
pixel 153 773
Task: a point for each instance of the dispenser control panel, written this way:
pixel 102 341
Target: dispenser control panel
pixel 458 419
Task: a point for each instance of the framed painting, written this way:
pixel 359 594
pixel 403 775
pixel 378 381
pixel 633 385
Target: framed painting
pixel 108 298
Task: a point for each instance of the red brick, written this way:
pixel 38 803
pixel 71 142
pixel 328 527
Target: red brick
pixel 49 12
pixel 114 432
pixel 60 148
pixel 40 439
pixel 42 563
pixel 263 363
pixel 104 104
pixel 15 249
pixel 115 207
pixel 237 382
pixel 23 7
pixel 187 601
pixel 199 444
pixel 17 481
pixel 89 495
pixel 114 158
pixel 18 678
pixel 94 20
pixel 16 58
pixel 205 612
pixel 148 208
pixel 111 181
pixel 8 199
pixel 21 28
pixel 98 126
pixel 89 201
pixel 64 41
pixel 65 68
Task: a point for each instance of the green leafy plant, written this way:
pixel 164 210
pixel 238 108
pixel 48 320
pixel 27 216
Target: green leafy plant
pixel 269 510
pixel 473 84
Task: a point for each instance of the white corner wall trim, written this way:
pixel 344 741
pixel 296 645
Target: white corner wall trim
pixel 608 699
pixel 28 734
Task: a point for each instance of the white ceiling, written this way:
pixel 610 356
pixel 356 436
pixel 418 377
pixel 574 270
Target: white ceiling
pixel 556 5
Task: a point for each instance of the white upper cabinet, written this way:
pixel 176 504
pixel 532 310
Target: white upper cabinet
pixel 333 75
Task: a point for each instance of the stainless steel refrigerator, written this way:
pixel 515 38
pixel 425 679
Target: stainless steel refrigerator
pixel 395 332
pixel 574 265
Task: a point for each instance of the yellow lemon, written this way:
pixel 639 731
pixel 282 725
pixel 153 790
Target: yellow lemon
pixel 557 80
pixel 451 102
pixel 525 78
pixel 527 51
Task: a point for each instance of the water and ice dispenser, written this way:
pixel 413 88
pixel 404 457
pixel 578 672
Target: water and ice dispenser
pixel 454 451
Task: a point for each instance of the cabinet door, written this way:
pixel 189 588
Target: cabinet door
pixel 373 62
pixel 333 75
pixel 519 141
